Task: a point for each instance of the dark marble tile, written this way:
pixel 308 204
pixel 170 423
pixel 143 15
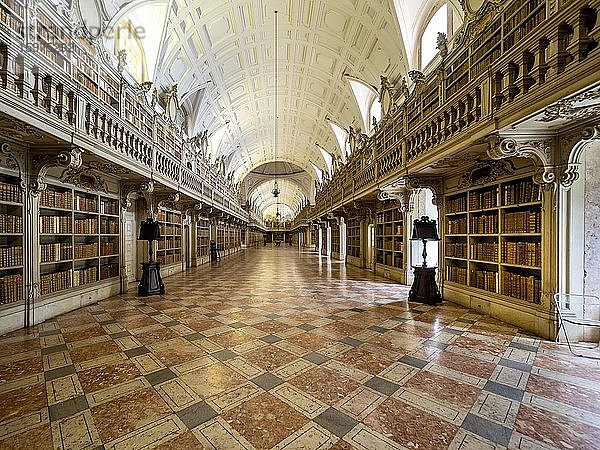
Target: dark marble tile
pixel 383 386
pixel 67 408
pixel 487 429
pixel 336 422
pixel 267 381
pixel 160 376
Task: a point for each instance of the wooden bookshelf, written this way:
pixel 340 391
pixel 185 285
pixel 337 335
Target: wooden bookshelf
pixel 493 239
pixel 389 238
pixel 11 241
pixel 79 238
pixel 137 115
pixel 169 245
pixel 353 238
pixel 12 14
pixel 202 237
pixel 335 238
pixel 53 43
pixel 520 18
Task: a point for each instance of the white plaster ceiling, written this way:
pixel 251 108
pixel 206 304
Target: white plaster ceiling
pixel 221 55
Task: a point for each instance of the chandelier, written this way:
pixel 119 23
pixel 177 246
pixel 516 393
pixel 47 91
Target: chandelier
pixel 275 190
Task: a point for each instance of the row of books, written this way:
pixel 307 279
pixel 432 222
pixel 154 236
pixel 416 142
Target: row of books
pixel 524 29
pixel 456 249
pixel 522 253
pixel 523 222
pixel 482 199
pixel 11 21
pixel 522 10
pixel 456 274
pixel 109 248
pixel 492 31
pixel 170 230
pixel 164 216
pixel 87 204
pixel 167 244
pixel 389 245
pixel 55 224
pixel 109 271
pixel 85 250
pixel 56 281
pixel 85 276
pixel 57 251
pixel 522 192
pixel 457 226
pixel 169 259
pixel 390 230
pixel 477 68
pixel 484 251
pixel 56 199
pixel 109 226
pixel 11 256
pixel 11 224
pixel 526 288
pixel 109 207
pixel 10 193
pixel 484 279
pixel 485 224
pixel 86 226
pixel 11 288
pixel 456 204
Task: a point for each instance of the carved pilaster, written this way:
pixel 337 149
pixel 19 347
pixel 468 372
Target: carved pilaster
pixel 575 144
pixel 129 189
pixel 434 184
pixel 41 163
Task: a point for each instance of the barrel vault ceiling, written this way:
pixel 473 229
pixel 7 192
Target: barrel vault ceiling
pixel 221 54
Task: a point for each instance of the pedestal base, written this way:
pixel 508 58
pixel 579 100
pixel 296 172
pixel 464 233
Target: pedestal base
pixel 151 282
pixel 424 288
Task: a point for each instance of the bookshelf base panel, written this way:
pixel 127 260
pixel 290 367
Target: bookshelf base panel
pixel 354 261
pixel 393 273
pixel 530 317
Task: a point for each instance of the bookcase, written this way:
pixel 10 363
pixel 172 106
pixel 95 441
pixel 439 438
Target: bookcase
pixel 493 239
pixel 169 245
pixel 335 238
pixel 202 237
pixel 12 13
pixel 53 43
pixel 353 238
pixel 520 18
pixel 11 241
pixel 390 243
pixel 78 237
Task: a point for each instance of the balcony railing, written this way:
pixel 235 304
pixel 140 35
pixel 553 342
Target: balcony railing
pixel 104 116
pixel 510 62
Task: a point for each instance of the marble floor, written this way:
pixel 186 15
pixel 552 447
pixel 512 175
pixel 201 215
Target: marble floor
pixel 273 348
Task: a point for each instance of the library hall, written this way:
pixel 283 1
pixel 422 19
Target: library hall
pixel 300 224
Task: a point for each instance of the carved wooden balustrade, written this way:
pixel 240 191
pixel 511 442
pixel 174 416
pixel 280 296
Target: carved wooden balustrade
pixel 127 132
pixel 506 63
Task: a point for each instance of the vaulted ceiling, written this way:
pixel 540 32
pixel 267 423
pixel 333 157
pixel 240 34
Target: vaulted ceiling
pixel 222 56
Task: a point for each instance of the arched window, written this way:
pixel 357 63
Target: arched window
pixel 437 24
pixel 126 38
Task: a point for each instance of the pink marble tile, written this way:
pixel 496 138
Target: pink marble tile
pixel 444 388
pixel 410 426
pixel 555 430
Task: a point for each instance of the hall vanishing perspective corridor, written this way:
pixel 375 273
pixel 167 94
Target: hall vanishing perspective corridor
pixel 285 349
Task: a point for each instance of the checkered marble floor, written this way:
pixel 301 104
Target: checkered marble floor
pixel 279 349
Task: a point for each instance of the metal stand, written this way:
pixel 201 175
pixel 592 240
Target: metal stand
pixel 151 282
pixel 424 288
